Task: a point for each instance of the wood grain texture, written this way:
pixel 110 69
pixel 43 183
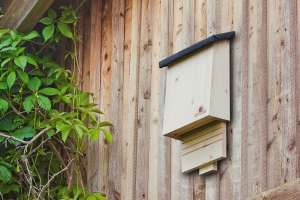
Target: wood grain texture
pixel 117 74
pixel 93 71
pixel 131 59
pixel 24 14
pixel 144 101
pixel 282 137
pixel 257 98
pixel 105 88
pixel 263 139
pixel 158 187
pixel 289 191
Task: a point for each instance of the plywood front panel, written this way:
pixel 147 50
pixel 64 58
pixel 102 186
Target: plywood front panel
pixel 123 41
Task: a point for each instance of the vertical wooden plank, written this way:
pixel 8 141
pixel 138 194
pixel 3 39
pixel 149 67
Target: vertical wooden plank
pixel 159 152
pixel 94 86
pixel 188 22
pixel 257 99
pixel 282 139
pixel 154 118
pixel 213 17
pixel 297 73
pixel 211 187
pixel 131 62
pixel 275 99
pixel 244 102
pixel 144 101
pixel 105 88
pixel 115 162
pixel 198 187
pixel 200 19
pixel 289 134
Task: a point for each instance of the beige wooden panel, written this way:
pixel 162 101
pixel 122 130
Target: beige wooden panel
pixel 219 105
pixel 208 169
pixel 197 90
pixel 187 90
pixel 204 147
pixel 204 155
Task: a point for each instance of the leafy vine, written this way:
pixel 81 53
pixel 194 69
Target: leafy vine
pixel 45 118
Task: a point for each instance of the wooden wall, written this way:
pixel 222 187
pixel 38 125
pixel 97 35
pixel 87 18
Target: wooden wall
pixel 121 44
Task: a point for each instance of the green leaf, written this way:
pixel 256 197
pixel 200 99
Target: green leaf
pixel 91 198
pixel 44 102
pixel 7 188
pixel 3 85
pixel 31 35
pixel 79 131
pixel 51 133
pixel 23 76
pixel 10 123
pixel 105 123
pixel 49 91
pixel 34 84
pixel 5 43
pixel 4 62
pixel 11 78
pixel 3 32
pixel 64 129
pixel 46 21
pixel 5 174
pixel 65 30
pixel 52 14
pixel 48 32
pixel 21 61
pixel 28 103
pixel 107 135
pixel 3 105
pixel 23 133
pixel 31 61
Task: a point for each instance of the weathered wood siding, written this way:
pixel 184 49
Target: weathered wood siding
pixel 121 43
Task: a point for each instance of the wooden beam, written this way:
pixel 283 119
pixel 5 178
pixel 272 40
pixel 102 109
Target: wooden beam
pixel 24 14
pixel 289 191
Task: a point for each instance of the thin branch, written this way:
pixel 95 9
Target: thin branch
pixel 53 177
pixel 35 138
pixel 10 137
pixel 38 135
pixel 16 111
pixel 38 147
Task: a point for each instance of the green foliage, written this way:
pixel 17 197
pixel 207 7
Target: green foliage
pixel 45 118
